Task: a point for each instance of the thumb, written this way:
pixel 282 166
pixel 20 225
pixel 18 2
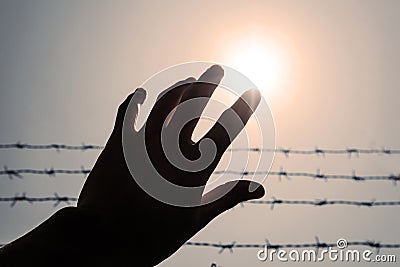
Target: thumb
pixel 130 108
pixel 233 193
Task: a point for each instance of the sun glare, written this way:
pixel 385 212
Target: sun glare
pixel 264 62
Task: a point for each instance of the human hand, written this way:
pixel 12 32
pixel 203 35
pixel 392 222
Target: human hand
pixel 116 222
pixel 140 224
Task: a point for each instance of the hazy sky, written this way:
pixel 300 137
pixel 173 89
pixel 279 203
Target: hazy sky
pixel 66 65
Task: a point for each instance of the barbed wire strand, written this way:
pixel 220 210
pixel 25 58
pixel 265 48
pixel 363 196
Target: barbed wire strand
pixel 322 202
pixel 18 173
pixel 24 198
pixel 274 201
pixel 57 147
pixel 321 152
pixel 317 245
pixel 285 151
pixel 50 172
pixel 316 175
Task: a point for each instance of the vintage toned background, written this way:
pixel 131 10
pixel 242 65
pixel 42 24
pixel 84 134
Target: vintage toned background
pixel 66 65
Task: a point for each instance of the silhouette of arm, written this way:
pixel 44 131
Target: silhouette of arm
pixel 115 222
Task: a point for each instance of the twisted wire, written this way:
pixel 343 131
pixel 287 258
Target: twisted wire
pixel 285 151
pixel 282 173
pixel 272 202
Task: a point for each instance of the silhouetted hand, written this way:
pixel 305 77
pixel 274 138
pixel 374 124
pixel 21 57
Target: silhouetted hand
pixel 116 223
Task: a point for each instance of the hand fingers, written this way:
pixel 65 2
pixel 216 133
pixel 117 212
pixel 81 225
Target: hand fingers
pixel 198 94
pixel 232 121
pixel 130 110
pixel 166 102
pixel 233 193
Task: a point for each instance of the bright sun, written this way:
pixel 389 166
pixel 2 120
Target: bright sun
pixel 264 62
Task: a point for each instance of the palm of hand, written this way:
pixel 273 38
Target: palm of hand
pixel 135 222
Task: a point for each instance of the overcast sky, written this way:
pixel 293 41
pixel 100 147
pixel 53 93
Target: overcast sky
pixel 66 65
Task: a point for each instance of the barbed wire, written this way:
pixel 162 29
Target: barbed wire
pixel 317 245
pixel 285 151
pixel 57 147
pixel 317 175
pixel 57 199
pixel 18 173
pixel 322 202
pixel 24 198
pixel 274 201
pixel 50 172
pixel 321 152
